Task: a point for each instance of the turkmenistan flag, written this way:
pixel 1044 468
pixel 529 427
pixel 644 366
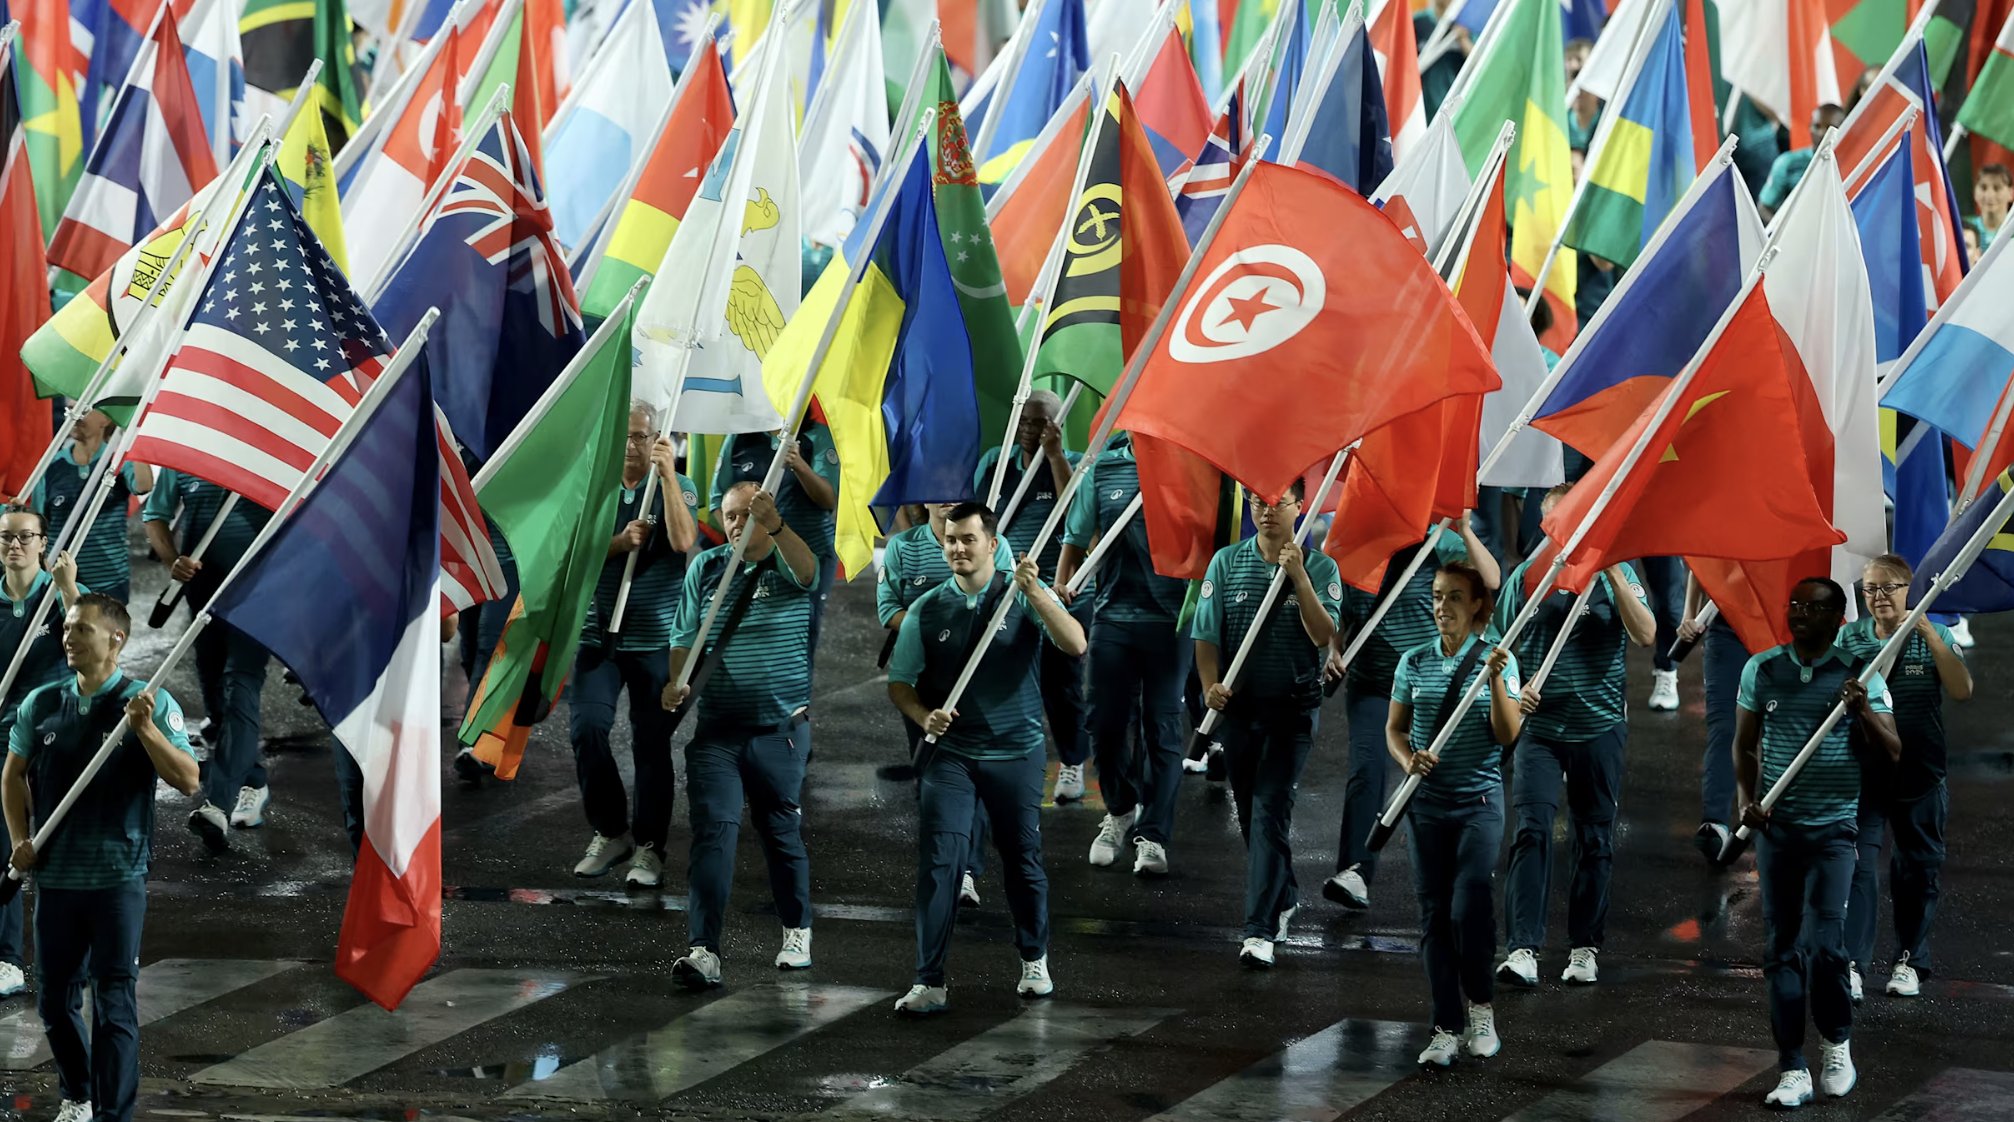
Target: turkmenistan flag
pixel 969 250
pixel 1989 108
pixel 699 124
pixel 552 490
pixel 1520 75
pixel 1124 248
pixel 1644 161
pixel 283 37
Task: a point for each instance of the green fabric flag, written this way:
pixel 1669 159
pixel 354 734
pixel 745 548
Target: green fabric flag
pixel 283 37
pixel 553 494
pixel 969 250
pixel 1248 26
pixel 1989 108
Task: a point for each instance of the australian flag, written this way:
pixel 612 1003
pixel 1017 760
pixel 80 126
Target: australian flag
pixel 487 257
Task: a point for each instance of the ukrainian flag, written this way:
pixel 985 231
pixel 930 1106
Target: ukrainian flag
pixel 1646 161
pixel 896 386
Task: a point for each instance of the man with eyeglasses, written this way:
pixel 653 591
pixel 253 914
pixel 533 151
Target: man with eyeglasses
pixel 1805 851
pixel 23 584
pixel 1270 715
pixel 634 659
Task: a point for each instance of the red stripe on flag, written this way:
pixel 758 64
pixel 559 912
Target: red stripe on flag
pixel 257 383
pixel 230 426
pixel 83 249
pixel 174 97
pixel 254 487
pixel 391 932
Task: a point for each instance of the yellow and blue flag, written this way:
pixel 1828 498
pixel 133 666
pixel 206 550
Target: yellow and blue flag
pixel 1058 54
pixel 1645 163
pixel 896 385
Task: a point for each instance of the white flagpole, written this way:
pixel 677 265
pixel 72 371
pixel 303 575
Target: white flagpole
pixel 1116 403
pixel 1112 534
pixel 366 408
pixel 1003 88
pixel 386 112
pixel 472 138
pixel 1028 475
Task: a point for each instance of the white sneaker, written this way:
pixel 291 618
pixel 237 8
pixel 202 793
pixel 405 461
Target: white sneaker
pixel 1280 932
pixel 698 970
pixel 1664 691
pixel 646 868
pixel 1150 859
pixel 1256 954
pixel 1853 982
pixel 250 813
pixel 73 1111
pixel 1902 983
pixel 1961 633
pixel 1441 1050
pixel 923 1000
pixel 1580 969
pixel 1035 980
pixel 1348 889
pixel 796 952
pixel 603 853
pixel 968 892
pixel 12 979
pixel 1481 1040
pixel 1793 1089
pixel 1195 766
pixel 1069 783
pixel 1111 837
pixel 1836 1073
pixel 1520 968
pixel 209 823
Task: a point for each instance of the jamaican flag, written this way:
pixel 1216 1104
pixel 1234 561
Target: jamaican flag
pixel 282 37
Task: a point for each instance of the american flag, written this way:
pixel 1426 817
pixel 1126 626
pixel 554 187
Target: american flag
pixel 470 571
pixel 277 356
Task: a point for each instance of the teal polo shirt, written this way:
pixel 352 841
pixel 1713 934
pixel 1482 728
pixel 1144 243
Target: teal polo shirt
pixel 103 559
pixel 765 669
pixel 1228 601
pixel 1036 502
pixel 1471 765
pixel 1792 697
pixel 1129 590
pixel 746 459
pixel 913 564
pixel 45 663
pixel 1000 713
pixel 654 590
pixel 1917 695
pixel 1410 621
pixel 1586 693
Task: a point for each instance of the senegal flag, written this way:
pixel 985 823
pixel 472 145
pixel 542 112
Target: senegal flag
pixel 283 37
pixel 1123 241
pixel 699 124
pixel 552 490
pixel 1520 74
pixel 896 385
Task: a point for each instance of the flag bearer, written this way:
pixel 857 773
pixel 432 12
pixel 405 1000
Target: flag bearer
pixel 1271 714
pixel 91 877
pixel 104 564
pixel 633 660
pixel 989 752
pixel 1139 663
pixel 754 733
pixel 807 497
pixel 1806 849
pixel 1909 798
pixel 1577 731
pixel 1367 694
pixel 1038 448
pixel 230 666
pixel 1457 812
pixel 23 537
pixel 911 565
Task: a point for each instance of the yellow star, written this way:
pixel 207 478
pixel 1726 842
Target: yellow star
pixel 1671 452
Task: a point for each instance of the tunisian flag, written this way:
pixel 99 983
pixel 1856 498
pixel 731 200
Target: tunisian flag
pixel 1311 322
pixel 1726 474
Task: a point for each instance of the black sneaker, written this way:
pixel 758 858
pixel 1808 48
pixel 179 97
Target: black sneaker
pixel 1711 839
pixel 470 770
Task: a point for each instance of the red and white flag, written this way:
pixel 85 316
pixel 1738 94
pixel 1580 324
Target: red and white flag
pixel 1391 33
pixel 470 571
pixel 1779 53
pixel 383 203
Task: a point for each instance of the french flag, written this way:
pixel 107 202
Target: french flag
pixel 153 157
pixel 366 648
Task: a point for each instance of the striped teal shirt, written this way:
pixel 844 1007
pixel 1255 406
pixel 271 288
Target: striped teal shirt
pixel 199 502
pixel 103 560
pixel 1793 699
pixel 1000 714
pixel 1036 503
pixel 913 564
pixel 1228 602
pixel 746 459
pixel 765 672
pixel 1917 694
pixel 654 591
pixel 1471 765
pixel 1586 693
pixel 1409 623
pixel 1129 590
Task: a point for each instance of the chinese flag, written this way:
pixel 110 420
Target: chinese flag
pixel 1725 476
pixel 1311 321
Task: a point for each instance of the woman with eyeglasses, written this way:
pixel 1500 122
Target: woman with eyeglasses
pixel 1908 799
pixel 23 583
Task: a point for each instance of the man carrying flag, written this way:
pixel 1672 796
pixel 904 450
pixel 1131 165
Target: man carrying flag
pixel 754 734
pixel 91 877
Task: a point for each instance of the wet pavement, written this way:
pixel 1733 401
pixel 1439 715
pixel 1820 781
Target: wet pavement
pixel 553 996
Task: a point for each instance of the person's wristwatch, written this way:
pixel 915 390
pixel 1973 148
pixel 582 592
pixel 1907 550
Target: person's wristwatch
pixel 772 531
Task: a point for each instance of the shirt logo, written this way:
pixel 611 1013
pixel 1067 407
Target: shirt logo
pixel 1335 590
pixel 1209 590
pixel 761 591
pixel 748 466
pixel 944 636
pixel 1769 708
pixel 48 738
pixel 832 455
pixel 1115 495
pixel 1239 598
pixel 1913 670
pixel 175 721
pixel 58 500
pixel 691 497
pixel 1045 496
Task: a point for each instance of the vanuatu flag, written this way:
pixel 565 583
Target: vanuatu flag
pixel 1124 241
